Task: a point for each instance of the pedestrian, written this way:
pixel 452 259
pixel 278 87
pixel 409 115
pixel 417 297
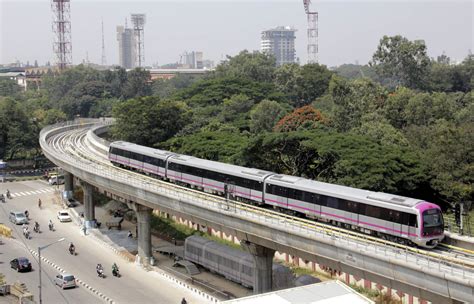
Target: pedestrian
pixel 84 229
pixel 130 235
pixel 183 301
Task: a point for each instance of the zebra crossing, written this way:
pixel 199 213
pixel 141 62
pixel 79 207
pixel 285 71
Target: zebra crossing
pixel 35 192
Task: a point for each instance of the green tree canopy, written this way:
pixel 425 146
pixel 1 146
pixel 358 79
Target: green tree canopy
pixel 403 61
pixel 253 66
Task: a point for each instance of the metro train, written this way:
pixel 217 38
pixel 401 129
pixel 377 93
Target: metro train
pixel 392 217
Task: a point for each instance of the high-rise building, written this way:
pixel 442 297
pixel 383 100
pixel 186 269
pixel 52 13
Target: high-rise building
pixel 127 47
pixel 280 42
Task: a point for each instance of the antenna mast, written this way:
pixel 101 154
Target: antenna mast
pixel 103 61
pixel 312 32
pixel 62 32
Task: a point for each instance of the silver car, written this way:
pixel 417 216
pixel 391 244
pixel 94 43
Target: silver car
pixel 18 218
pixel 65 280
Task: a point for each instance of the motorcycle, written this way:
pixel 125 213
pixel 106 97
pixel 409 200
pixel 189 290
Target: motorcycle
pixel 26 234
pixel 100 273
pixel 116 272
pixel 36 229
pixel 72 250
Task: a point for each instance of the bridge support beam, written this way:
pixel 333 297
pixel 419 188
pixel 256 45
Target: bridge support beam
pixel 263 257
pixel 144 234
pixel 89 207
pixel 68 181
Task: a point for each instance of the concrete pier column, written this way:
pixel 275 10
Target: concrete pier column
pixel 68 182
pixel 263 257
pixel 89 207
pixel 144 234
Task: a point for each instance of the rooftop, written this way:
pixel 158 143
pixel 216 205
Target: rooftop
pixel 319 293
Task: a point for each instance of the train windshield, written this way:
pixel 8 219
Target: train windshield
pixel 432 218
pixel 432 222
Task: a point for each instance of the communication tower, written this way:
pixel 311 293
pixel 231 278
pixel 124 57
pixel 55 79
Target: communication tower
pixel 62 32
pixel 138 21
pixel 103 61
pixel 312 32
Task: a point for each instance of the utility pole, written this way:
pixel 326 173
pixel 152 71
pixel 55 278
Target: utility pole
pixel 39 265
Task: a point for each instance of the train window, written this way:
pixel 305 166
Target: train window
pixel 332 202
pixel 412 220
pixel 323 200
pixel 361 208
pixel 247 270
pixel 373 211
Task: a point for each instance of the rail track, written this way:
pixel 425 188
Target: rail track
pixel 76 145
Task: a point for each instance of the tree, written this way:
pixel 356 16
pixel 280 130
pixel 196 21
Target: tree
pixel 403 61
pixel 148 120
pixel 8 87
pixel 137 84
pixel 265 114
pixel 254 66
pixel 17 134
pixel 305 117
pixel 345 159
pixel 302 85
pixel 222 145
pixel 354 99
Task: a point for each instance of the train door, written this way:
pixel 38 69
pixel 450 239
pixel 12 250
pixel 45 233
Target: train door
pixel 395 218
pixel 353 212
pixel 405 222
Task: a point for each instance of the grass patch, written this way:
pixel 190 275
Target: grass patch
pixel 170 228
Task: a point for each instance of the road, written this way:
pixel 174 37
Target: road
pixel 135 286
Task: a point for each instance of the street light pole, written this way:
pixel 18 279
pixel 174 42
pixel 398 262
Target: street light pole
pixel 39 264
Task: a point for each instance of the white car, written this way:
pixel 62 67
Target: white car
pixel 65 281
pixel 63 216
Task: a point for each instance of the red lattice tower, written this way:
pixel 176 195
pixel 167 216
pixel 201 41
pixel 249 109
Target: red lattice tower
pixel 312 32
pixel 62 32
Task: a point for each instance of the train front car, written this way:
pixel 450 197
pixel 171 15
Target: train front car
pixel 431 225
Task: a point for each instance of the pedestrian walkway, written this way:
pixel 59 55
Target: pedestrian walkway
pixel 34 192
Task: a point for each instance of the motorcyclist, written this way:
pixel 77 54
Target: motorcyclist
pixel 115 269
pixel 26 233
pixel 100 270
pixel 37 227
pixel 72 248
pixel 27 214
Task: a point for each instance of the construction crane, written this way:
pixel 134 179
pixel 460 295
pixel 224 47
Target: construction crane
pixel 312 32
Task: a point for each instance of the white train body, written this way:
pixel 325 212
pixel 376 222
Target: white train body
pixel 389 216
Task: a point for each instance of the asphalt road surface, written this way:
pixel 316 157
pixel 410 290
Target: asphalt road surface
pixel 135 286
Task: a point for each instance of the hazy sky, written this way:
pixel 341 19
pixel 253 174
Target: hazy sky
pixel 349 30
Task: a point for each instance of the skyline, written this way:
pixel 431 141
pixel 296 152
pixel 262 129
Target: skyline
pixel 349 31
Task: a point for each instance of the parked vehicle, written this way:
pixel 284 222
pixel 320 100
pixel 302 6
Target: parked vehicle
pixel 21 264
pixel 18 218
pixel 65 281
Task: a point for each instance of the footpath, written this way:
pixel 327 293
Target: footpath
pixel 210 286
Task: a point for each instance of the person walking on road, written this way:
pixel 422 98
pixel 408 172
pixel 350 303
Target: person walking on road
pixel 84 229
pixel 39 203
